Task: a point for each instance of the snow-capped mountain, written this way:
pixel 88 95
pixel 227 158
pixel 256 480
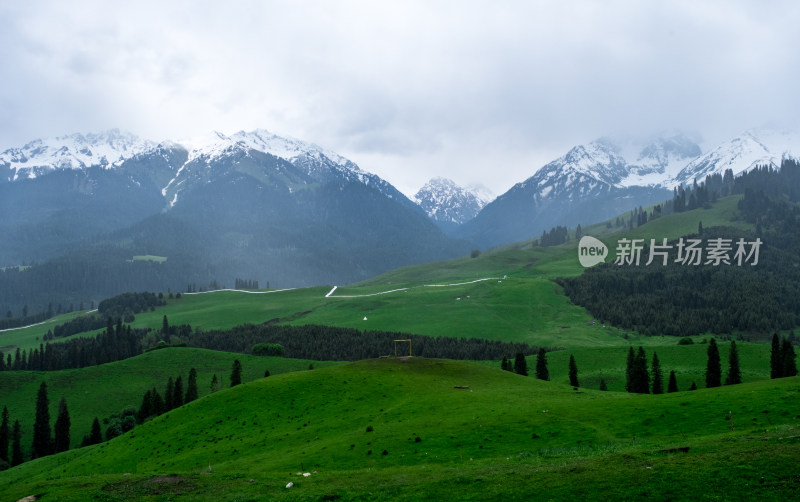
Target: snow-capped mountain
pixel 608 176
pixel 756 147
pixel 252 204
pixel 590 183
pixel 447 203
pixel 75 151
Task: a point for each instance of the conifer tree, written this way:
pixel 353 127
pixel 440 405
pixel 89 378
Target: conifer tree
pixel 16 445
pixel 672 386
pixel 603 385
pixel 266 373
pixel 541 365
pixel 734 373
pixel 629 373
pixel 789 365
pixel 520 364
pixel 505 364
pixel 177 396
pixel 146 408
pixel 775 358
pixel 713 367
pixel 693 386
pixel 641 377
pixel 157 405
pixel 236 373
pixel 573 372
pixel 42 438
pixel 62 435
pixel 4 435
pixel 658 382
pixel 96 436
pixel 191 386
pixel 169 394
pixel 214 383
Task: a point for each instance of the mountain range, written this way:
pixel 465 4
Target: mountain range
pixel 282 211
pixel 252 205
pixel 608 176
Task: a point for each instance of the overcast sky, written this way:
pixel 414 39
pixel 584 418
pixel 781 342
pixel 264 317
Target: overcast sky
pixel 482 92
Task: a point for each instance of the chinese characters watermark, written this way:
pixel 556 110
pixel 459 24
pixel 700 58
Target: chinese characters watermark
pixel 712 252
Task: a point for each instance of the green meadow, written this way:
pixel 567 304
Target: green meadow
pixel 418 429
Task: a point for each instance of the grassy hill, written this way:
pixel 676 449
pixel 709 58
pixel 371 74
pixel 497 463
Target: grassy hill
pixel 354 429
pixel 100 391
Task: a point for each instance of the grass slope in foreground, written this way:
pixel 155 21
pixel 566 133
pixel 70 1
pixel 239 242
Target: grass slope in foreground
pixel 100 391
pixel 355 427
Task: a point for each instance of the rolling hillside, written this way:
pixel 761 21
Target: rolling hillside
pixel 354 430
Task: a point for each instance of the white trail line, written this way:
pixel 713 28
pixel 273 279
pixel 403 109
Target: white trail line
pixel 241 291
pixel 406 289
pixel 37 324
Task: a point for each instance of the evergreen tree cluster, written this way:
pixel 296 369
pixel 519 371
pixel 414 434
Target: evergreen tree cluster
pixel 246 284
pixel 80 324
pixel 46 440
pixel 685 300
pixel 556 235
pixel 328 343
pixel 115 343
pixel 127 304
pixel 10 322
pixel 782 358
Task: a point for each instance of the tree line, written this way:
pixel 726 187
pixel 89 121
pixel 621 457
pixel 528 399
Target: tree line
pixel 48 441
pixel 328 343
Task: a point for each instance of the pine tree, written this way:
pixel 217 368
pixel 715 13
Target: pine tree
pixel 42 439
pixel 775 358
pixel 789 366
pixel 62 426
pixel 734 373
pixel 520 364
pixel 641 377
pixel 573 372
pixel 541 365
pixel 672 386
pixel 177 396
pixel 96 436
pixel 146 408
pixel 16 445
pixel 629 365
pixel 603 385
pixel 658 383
pixel 165 328
pixel 214 383
pixel 505 365
pixel 4 435
pixel 236 373
pixel 693 386
pixel 713 367
pixel 191 386
pixel 169 394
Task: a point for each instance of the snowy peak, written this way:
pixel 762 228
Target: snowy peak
pixel 445 202
pixel 752 148
pixel 76 151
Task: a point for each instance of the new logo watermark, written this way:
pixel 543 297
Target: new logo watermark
pixel 712 252
pixel 591 251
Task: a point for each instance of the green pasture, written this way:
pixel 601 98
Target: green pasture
pixel 483 434
pixel 100 391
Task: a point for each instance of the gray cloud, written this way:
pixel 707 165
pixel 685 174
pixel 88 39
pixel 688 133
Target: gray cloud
pixel 476 91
